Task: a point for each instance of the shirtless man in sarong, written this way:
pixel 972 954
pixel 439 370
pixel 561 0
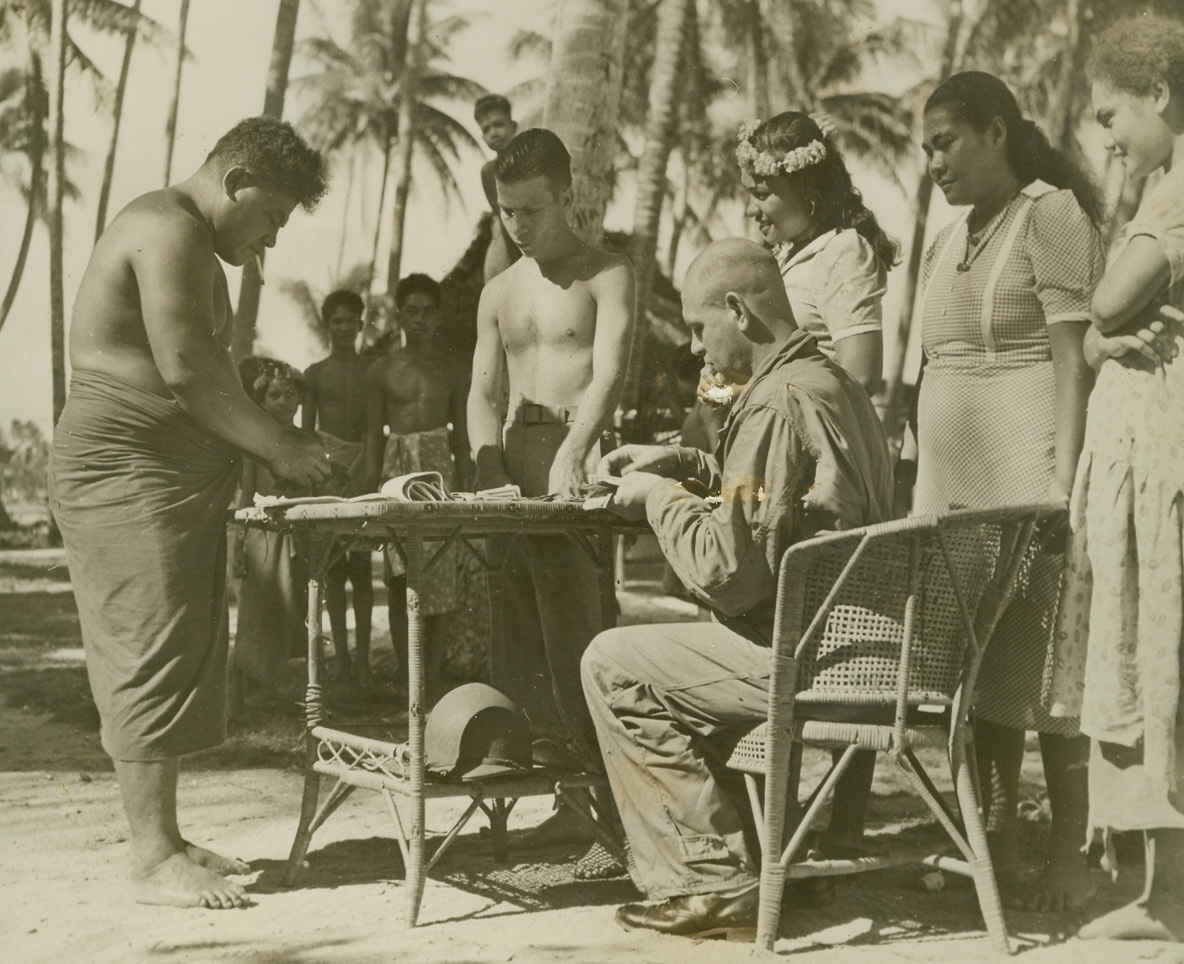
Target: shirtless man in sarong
pixel 418 394
pixel 557 324
pixel 145 458
pixel 335 405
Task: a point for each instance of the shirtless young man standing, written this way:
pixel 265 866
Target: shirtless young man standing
pixel 416 392
pixel 145 460
pixel 557 324
pixel 335 405
pixel 495 118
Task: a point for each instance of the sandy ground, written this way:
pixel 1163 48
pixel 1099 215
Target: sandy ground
pixel 63 856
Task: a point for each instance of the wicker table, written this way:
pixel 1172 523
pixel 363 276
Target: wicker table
pixel 421 532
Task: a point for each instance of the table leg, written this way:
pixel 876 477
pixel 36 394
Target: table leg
pixel 499 548
pixel 312 711
pixel 606 562
pixel 413 547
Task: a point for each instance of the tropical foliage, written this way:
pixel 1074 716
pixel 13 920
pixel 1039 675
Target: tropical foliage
pixel 647 93
pixel 357 87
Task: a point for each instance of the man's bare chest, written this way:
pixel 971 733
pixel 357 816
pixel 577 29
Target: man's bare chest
pixel 341 383
pixel 410 382
pixel 544 315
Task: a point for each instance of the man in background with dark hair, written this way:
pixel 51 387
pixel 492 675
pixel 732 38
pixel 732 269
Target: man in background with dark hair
pixel 495 118
pixel 415 422
pixel 554 331
pixel 335 406
pixel 145 461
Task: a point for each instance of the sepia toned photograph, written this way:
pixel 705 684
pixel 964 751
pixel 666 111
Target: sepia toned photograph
pixel 592 481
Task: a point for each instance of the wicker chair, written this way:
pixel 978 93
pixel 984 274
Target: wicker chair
pixel 890 623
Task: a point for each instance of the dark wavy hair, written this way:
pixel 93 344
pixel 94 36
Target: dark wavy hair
pixel 341 298
pixel 536 152
pixel 826 186
pixel 977 98
pixel 413 283
pixel 275 154
pixel 491 104
pixel 1134 53
pixel 257 372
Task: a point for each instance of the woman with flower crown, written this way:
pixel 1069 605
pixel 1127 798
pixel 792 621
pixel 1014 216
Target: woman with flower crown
pixel 833 255
pixel 834 260
pixel 1005 301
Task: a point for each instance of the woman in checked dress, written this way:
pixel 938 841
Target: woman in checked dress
pixel 1005 305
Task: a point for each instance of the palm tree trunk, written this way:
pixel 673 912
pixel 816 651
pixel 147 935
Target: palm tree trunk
pixel 170 127
pixel 894 381
pixel 408 103
pixel 386 172
pixel 36 150
pixel 246 314
pixel 282 43
pixel 583 100
pixel 673 17
pixel 1060 113
pixel 758 59
pixel 678 223
pixel 790 84
pixel 56 185
pixel 129 44
pixel 349 193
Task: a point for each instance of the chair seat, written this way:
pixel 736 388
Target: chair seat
pixel 748 755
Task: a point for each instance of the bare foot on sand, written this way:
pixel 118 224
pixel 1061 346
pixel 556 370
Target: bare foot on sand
pixel 1061 886
pixel 1142 920
pixel 223 866
pixel 178 882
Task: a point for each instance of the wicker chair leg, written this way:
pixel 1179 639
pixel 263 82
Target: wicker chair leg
pixel 308 809
pixel 769 910
pixel 985 884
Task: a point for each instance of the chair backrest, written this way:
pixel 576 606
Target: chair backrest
pixel 899 613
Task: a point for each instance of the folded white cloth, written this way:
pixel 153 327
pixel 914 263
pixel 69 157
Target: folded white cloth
pixel 416 487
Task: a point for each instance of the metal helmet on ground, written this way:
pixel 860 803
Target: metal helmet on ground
pixel 475 732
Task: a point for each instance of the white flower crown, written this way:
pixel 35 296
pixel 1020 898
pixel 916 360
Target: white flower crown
pixel 766 164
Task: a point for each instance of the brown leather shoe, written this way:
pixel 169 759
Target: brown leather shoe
pixel 696 915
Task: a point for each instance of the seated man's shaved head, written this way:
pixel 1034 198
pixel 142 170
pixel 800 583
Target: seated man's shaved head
pixel 742 266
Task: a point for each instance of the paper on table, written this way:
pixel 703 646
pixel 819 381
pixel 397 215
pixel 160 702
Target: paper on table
pixel 416 487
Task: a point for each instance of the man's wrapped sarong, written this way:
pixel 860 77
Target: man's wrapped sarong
pixel 350 455
pixel 140 493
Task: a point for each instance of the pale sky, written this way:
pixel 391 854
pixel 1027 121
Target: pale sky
pixel 224 81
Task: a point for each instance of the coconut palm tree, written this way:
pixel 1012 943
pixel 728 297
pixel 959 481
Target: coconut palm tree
pixel 434 135
pixel 246 313
pixel 357 93
pixel 23 110
pixel 583 101
pixel 894 380
pixel 170 127
pixel 56 187
pixel 808 55
pixel 674 18
pixel 129 43
pixel 40 28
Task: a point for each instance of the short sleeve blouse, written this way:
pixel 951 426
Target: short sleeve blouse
pixel 1161 218
pixel 835 286
pixel 1037 263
